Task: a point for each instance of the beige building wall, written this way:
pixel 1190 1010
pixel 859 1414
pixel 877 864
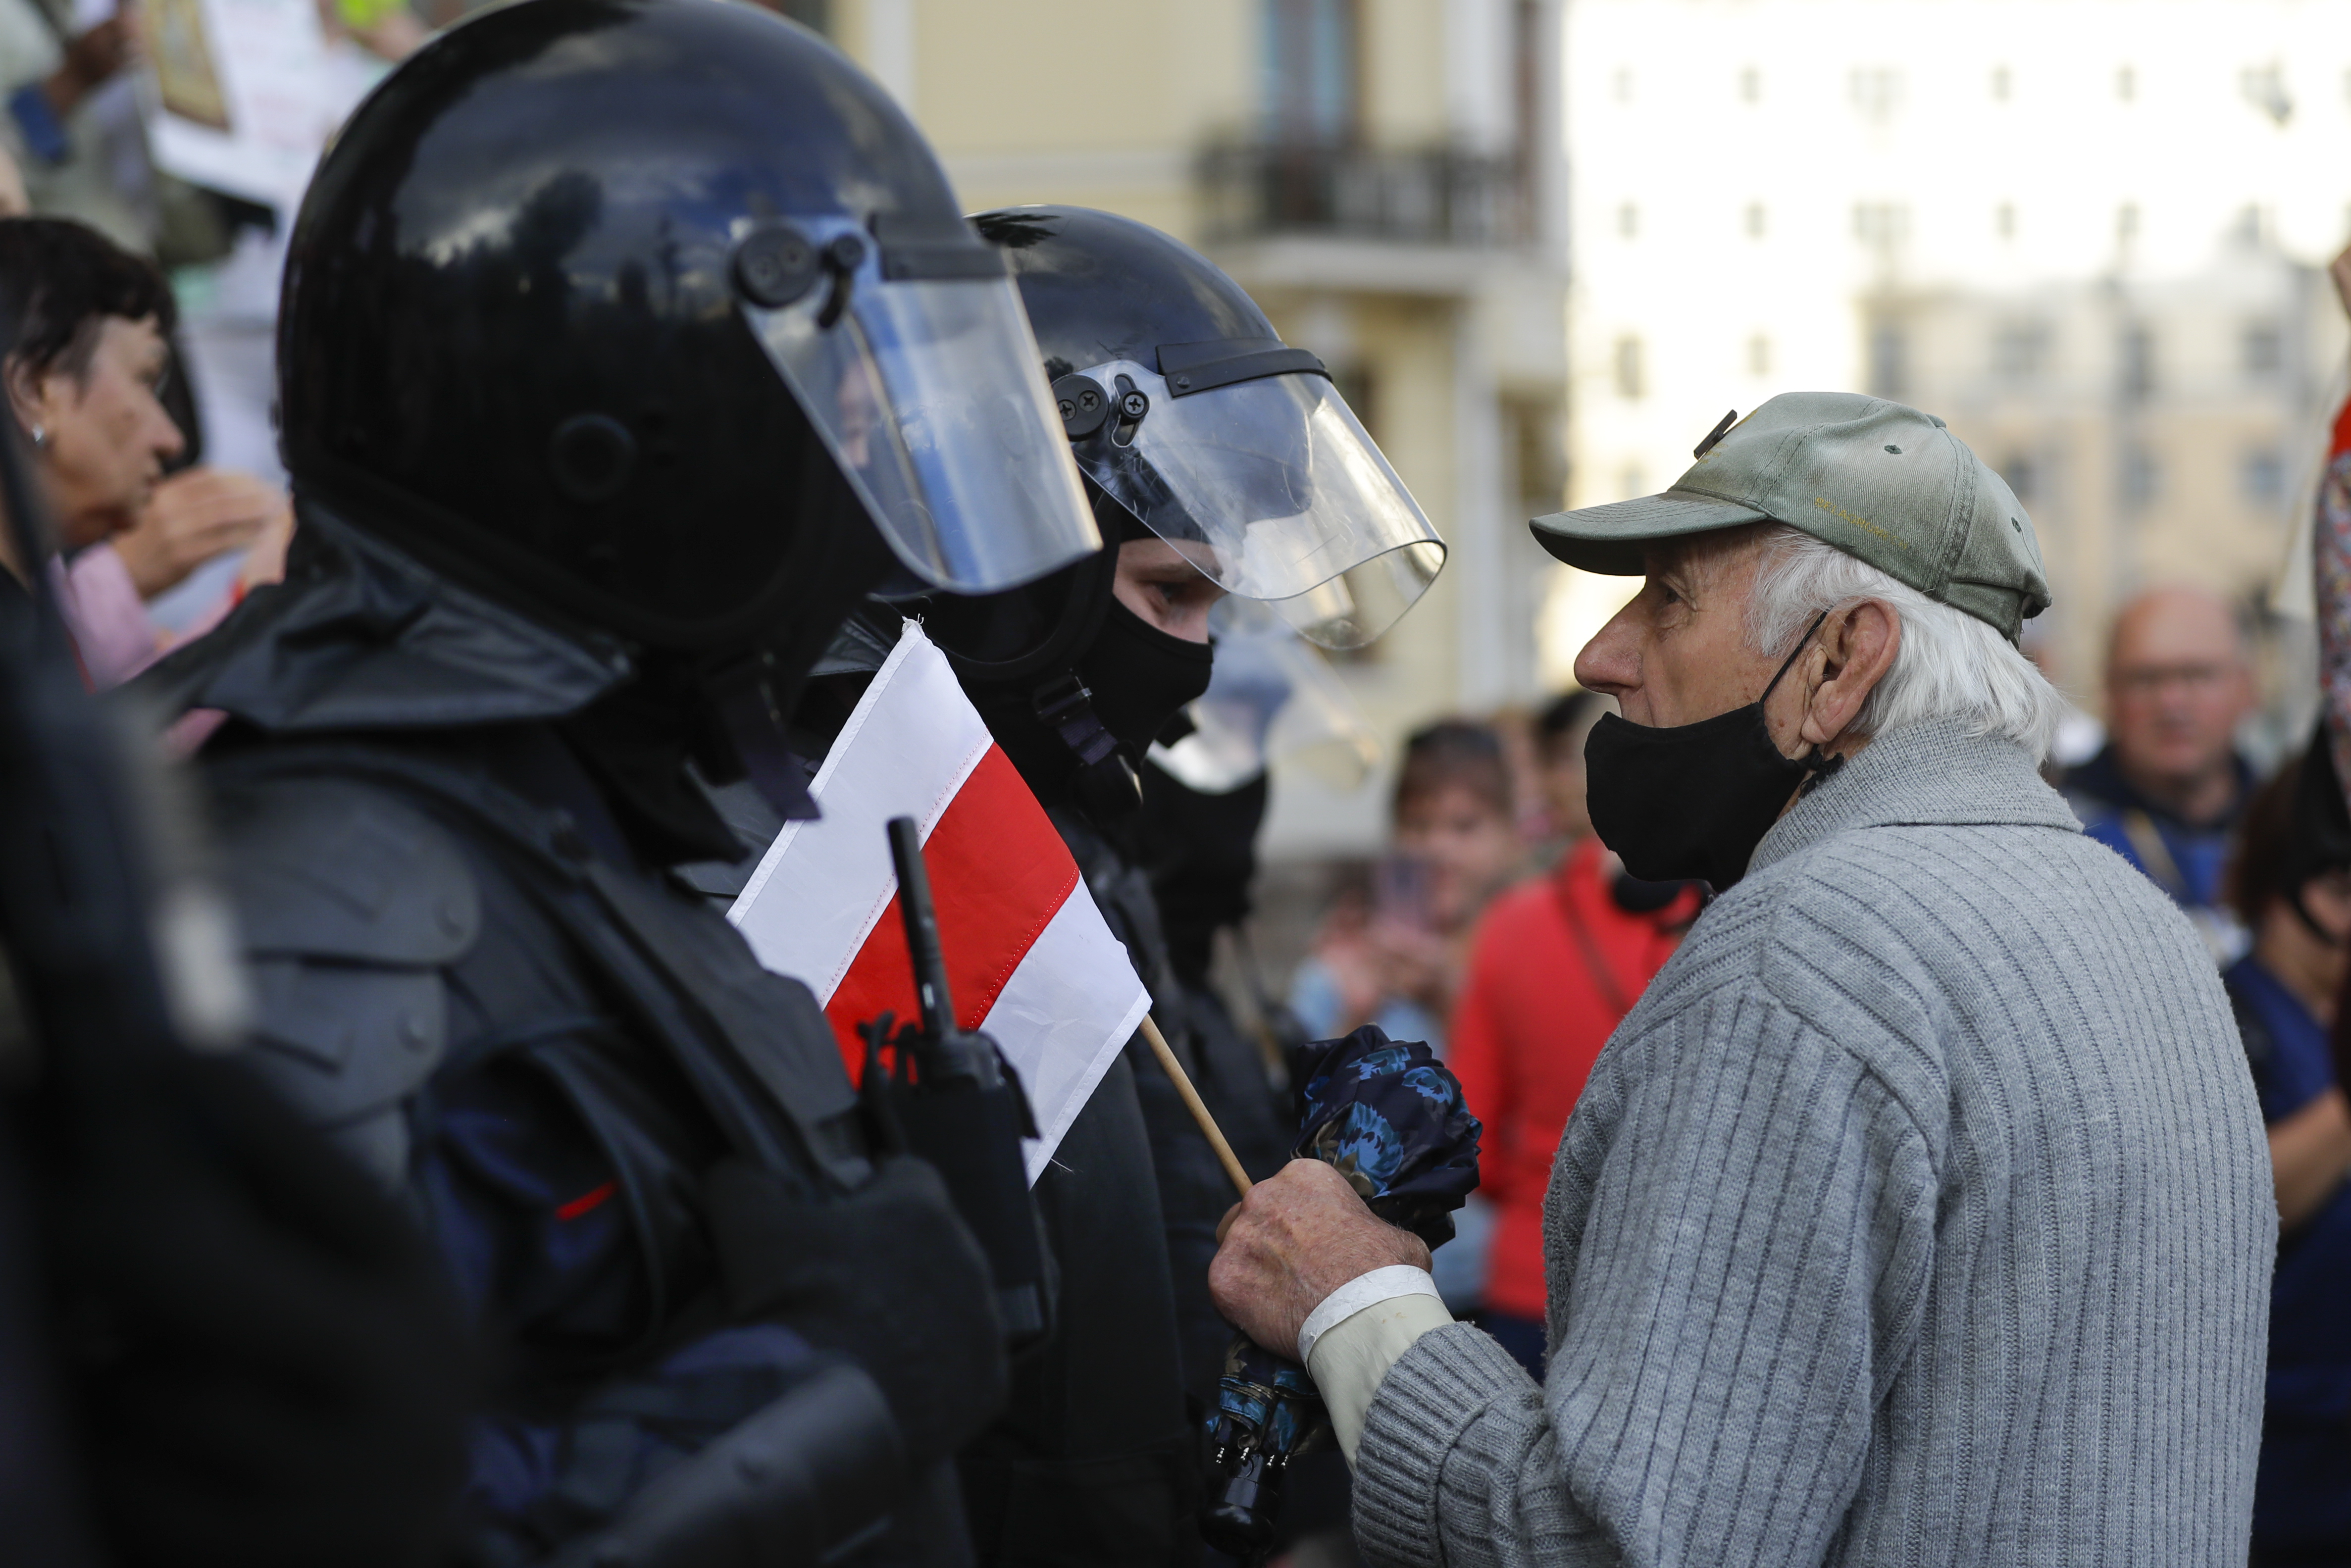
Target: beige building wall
pixel 1449 330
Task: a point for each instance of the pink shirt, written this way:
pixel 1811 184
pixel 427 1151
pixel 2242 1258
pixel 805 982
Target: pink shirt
pixel 108 620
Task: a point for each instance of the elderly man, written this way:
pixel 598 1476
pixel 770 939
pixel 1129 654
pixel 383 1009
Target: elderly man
pixel 1919 1211
pixel 2166 792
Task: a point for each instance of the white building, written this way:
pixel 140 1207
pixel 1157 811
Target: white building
pixel 2086 232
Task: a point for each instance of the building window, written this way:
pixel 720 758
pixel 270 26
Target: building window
pixel 2000 86
pixel 1889 361
pixel 1629 381
pixel 1876 91
pixel 2260 475
pixel 1758 355
pixel 2261 349
pixel 1628 221
pixel 1751 85
pixel 2248 229
pixel 2126 222
pixel 2019 348
pixel 1355 388
pixel 2263 87
pixel 2004 220
pixel 1535 428
pixel 2126 84
pixel 2142 477
pixel 2135 363
pixel 1634 481
pixel 1312 67
pixel 1754 220
pixel 1880 224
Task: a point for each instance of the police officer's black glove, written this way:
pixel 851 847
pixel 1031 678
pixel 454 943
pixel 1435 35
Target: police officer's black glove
pixel 888 1277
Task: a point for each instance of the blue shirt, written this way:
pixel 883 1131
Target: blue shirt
pixel 2186 860
pixel 2303 1495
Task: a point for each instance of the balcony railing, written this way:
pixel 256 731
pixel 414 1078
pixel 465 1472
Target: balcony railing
pixel 1436 196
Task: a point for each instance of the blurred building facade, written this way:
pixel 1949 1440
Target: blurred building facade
pixel 1386 177
pixel 2089 232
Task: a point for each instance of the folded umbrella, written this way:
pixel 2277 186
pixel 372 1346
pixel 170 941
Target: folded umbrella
pixel 1388 1116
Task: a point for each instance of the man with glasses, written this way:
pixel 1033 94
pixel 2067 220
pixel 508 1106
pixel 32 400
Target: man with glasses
pixel 2168 789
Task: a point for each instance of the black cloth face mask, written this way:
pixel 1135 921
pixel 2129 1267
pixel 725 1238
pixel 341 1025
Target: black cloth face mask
pixel 1142 677
pixel 1692 801
pixel 1137 679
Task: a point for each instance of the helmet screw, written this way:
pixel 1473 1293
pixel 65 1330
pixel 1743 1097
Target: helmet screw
pixel 1082 404
pixel 845 253
pixel 775 266
pixel 1134 406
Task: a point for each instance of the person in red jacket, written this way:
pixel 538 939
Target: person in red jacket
pixel 1554 964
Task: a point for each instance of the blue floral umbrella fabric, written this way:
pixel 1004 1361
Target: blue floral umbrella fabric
pixel 1388 1116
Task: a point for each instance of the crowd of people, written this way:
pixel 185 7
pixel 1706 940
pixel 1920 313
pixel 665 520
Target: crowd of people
pixel 1868 1124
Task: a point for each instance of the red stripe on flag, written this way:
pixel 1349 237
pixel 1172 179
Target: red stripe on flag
pixel 999 872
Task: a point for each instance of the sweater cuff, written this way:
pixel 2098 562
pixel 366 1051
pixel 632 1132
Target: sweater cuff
pixel 1435 1391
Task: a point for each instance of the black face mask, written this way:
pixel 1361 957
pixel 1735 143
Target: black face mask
pixel 1136 678
pixel 1693 800
pixel 1142 677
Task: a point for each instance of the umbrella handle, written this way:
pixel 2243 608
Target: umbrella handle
pixel 1191 1097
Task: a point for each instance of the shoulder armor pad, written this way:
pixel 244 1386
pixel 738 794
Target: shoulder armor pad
pixel 350 903
pixel 331 867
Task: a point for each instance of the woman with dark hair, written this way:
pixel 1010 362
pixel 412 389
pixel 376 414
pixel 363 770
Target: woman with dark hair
pixel 85 375
pixel 2291 884
pixel 85 380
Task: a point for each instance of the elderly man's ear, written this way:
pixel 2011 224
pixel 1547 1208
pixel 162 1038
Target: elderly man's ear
pixel 1853 651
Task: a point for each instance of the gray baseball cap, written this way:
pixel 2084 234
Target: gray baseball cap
pixel 1879 481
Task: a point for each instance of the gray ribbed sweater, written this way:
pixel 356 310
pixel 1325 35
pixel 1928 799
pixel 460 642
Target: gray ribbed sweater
pixel 1919 1213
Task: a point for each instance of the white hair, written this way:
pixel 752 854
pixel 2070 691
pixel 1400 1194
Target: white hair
pixel 1950 664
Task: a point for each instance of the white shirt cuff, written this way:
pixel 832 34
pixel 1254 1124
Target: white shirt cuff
pixel 1363 1290
pixel 1354 1352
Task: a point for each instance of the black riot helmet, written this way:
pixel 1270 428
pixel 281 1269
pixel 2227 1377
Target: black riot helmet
pixel 1183 406
pixel 658 317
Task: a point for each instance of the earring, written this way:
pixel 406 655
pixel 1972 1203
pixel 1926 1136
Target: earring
pixel 40 437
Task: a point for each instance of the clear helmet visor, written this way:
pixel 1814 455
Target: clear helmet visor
pixel 1271 700
pixel 930 395
pixel 1272 487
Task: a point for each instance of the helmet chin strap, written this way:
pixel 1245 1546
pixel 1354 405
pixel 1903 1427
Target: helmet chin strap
pixel 1106 783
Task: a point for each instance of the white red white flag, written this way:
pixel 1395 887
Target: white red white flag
pixel 1030 959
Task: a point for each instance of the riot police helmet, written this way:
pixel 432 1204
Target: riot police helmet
pixel 659 317
pixel 1183 406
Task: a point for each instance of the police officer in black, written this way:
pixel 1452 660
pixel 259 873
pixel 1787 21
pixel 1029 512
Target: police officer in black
pixel 625 345
pixel 1216 459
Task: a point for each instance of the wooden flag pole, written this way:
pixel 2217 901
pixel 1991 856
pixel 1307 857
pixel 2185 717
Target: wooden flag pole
pixel 1191 1096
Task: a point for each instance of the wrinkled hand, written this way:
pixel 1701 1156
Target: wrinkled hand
pixel 1294 1241
pixel 196 515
